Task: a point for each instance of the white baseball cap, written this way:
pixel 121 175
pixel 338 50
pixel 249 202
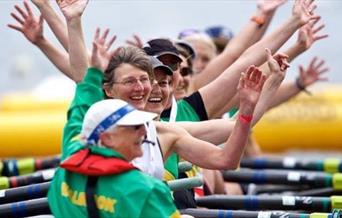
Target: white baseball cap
pixel 109 113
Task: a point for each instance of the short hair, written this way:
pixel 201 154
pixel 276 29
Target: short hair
pixel 128 55
pixel 201 38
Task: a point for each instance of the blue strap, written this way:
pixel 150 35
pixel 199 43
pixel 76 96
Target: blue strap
pixel 109 121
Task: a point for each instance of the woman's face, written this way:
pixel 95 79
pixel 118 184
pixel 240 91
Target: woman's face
pixel 184 72
pixel 130 84
pixel 160 93
pixel 174 64
pixel 204 54
pixel 126 140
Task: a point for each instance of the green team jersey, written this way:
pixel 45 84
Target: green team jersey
pixel 188 109
pixel 129 194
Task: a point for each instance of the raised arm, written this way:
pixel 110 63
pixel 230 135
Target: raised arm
pixel 55 23
pixel 277 66
pixel 32 29
pixel 78 55
pixel 247 36
pixel 216 94
pixel 207 155
pixel 307 76
pixel 308 35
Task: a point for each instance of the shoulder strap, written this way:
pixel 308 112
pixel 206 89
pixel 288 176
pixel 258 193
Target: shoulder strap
pixel 93 211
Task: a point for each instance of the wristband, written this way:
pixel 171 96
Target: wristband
pixel 301 87
pixel 258 19
pixel 245 118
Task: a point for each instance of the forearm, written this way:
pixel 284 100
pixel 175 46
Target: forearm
pixel 294 51
pixel 267 18
pixel 55 23
pixel 214 131
pixel 57 57
pixel 235 145
pixel 284 93
pixel 78 55
pixel 226 83
pixel 267 96
pixel 249 34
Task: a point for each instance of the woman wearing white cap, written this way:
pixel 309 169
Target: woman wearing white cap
pixel 96 178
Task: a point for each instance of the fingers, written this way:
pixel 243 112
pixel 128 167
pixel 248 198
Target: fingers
pixel 138 40
pixel 15 27
pixel 314 22
pixel 22 22
pixel 105 34
pixel 97 34
pixel 28 9
pixel 241 81
pixel 23 14
pixel 318 28
pixel 269 54
pixel 110 43
pixel 95 48
pixel 41 20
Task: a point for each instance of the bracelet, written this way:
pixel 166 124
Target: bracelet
pixel 258 19
pixel 301 87
pixel 245 118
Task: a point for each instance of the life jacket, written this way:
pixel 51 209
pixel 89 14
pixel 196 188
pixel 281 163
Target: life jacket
pixel 93 166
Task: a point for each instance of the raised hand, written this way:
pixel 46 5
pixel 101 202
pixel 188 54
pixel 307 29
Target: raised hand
pixel 29 25
pixel 313 73
pixel 136 41
pixel 250 86
pixel 72 8
pixel 267 6
pixel 101 53
pixel 309 34
pixel 304 11
pixel 277 63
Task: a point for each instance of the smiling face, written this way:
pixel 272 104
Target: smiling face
pixel 160 93
pixel 181 90
pixel 130 84
pixel 126 140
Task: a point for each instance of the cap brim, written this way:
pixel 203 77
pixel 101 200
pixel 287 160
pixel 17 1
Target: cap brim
pixel 165 69
pixel 169 53
pixel 136 117
pixel 187 47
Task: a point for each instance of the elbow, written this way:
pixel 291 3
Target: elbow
pixel 229 165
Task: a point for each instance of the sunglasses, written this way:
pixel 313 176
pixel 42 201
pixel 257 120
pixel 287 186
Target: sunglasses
pixel 134 127
pixel 186 71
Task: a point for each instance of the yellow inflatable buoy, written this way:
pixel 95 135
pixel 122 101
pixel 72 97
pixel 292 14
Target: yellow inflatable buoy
pixel 306 122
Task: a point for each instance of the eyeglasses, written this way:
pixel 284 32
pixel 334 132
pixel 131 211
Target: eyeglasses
pixel 133 127
pixel 131 82
pixel 186 71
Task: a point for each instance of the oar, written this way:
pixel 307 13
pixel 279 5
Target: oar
pixel 210 213
pixel 33 207
pixel 41 189
pixel 251 202
pixel 184 166
pixel 186 183
pixel 329 165
pixel 15 167
pixel 320 180
pixel 24 193
pixel 17 181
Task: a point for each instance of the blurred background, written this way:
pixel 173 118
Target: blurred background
pixel 306 122
pixel 23 66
